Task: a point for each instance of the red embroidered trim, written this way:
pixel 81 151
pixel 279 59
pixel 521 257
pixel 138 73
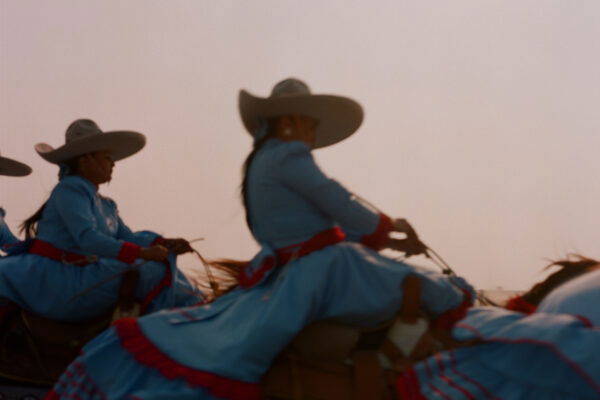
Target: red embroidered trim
pixel 129 252
pixel 454 368
pixel 448 379
pixel 45 249
pixel 378 239
pixel 289 253
pixel 434 388
pixel 549 345
pixel 449 318
pixel 166 282
pixel 517 303
pixel 146 353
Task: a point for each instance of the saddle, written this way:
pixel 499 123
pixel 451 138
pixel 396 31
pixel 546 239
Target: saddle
pixel 36 350
pixel 331 361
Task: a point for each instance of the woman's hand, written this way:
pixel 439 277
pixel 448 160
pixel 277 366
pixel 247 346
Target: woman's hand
pixel 178 245
pixel 155 253
pixel 411 245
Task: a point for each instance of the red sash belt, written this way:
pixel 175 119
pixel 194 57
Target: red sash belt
pixel 290 253
pixel 317 242
pixel 45 249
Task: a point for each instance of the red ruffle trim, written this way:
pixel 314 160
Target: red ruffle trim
pixel 517 303
pixel 449 318
pixel 379 239
pixel 129 252
pixel 145 352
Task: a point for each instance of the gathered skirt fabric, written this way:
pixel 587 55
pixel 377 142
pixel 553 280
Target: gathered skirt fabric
pixel 222 349
pixel 516 357
pixel 67 292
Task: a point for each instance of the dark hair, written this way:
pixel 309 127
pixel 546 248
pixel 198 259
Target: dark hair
pixel 569 268
pixel 29 226
pixel 271 129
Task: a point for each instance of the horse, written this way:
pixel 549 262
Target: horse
pixel 326 361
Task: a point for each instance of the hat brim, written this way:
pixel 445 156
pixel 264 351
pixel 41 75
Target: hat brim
pixel 120 144
pixel 339 117
pixel 10 167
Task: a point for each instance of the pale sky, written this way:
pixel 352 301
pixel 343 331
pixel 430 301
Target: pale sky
pixel 481 125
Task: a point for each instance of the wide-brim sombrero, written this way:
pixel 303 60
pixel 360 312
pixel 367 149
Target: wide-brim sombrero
pixel 338 116
pixel 83 136
pixel 10 167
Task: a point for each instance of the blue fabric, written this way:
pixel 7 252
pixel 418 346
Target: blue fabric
pixel 520 357
pixel 63 171
pixel 8 241
pixel 290 200
pixel 579 296
pixel 77 219
pixel 261 131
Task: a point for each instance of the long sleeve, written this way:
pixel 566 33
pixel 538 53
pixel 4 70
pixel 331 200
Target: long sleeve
pixel 141 238
pixel 297 169
pixel 77 210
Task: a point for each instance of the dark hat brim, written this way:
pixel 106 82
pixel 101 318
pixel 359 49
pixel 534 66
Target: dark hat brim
pixel 121 144
pixel 339 117
pixel 10 167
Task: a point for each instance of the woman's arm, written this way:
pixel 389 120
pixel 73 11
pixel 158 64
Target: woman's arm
pixel 296 168
pixel 76 207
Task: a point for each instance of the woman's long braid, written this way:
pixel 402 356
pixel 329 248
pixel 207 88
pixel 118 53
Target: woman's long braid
pixel 258 144
pixel 29 226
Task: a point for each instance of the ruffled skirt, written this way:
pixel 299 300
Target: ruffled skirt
pixel 221 350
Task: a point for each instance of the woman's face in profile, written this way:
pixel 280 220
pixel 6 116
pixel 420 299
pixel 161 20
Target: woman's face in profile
pixel 307 127
pixel 97 166
pixel 298 127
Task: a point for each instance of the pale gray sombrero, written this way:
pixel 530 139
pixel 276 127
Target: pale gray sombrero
pixel 10 167
pixel 84 136
pixel 339 117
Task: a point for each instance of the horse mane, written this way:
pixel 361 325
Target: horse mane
pixel 569 268
pixel 224 273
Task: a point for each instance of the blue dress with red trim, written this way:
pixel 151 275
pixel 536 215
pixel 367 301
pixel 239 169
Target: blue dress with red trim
pixel 72 270
pixel 318 260
pixel 551 354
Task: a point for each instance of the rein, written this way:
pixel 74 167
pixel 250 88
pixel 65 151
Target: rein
pixel 435 258
pixel 447 270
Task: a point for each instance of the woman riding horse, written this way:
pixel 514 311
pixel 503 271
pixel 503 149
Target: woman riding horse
pixel 79 246
pixel 548 349
pixel 318 260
